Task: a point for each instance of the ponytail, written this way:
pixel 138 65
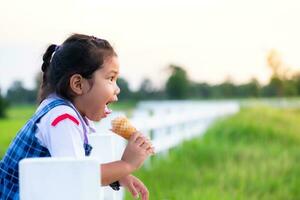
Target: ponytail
pixel 47 57
pixel 44 87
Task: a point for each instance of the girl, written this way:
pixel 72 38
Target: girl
pixel 79 81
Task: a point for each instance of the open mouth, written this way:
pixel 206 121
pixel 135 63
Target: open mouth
pixel 107 111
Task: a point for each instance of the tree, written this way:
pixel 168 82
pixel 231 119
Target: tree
pixel 296 79
pixel 276 64
pixel 125 93
pixel 289 88
pixel 146 90
pixel 177 85
pixel 228 89
pixel 3 106
pixel 200 90
pixel 17 94
pixel 251 89
pixel 280 83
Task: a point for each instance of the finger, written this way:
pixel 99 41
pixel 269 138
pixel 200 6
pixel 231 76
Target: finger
pixel 147 138
pixel 150 153
pixel 145 194
pixel 145 145
pixel 132 189
pixel 148 141
pixel 134 136
pixel 140 140
pixel 151 150
pixel 142 190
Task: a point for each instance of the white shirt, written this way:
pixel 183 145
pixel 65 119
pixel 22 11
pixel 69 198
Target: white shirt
pixel 66 138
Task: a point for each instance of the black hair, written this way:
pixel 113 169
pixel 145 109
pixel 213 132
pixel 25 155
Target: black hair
pixel 79 54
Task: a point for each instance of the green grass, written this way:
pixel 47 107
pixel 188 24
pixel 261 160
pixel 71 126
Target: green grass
pixel 17 116
pixel 252 155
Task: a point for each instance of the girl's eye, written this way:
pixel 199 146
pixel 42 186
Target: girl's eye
pixel 111 78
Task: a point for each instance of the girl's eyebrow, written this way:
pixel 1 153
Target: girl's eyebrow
pixel 113 71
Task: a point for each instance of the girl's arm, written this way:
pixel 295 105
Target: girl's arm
pixel 136 151
pixel 114 171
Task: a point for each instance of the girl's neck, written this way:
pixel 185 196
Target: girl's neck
pixel 79 106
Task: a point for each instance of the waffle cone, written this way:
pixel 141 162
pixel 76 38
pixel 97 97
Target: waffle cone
pixel 122 127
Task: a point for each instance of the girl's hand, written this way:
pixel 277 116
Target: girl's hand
pixel 137 150
pixel 135 187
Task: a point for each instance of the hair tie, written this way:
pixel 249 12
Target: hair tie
pixel 56 49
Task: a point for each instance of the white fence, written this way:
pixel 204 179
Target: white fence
pixel 59 179
pixel 167 123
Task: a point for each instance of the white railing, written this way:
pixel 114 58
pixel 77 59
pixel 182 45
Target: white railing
pixel 59 179
pixel 167 123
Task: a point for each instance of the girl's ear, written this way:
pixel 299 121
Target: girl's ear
pixel 77 84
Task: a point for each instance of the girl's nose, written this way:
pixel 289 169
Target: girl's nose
pixel 117 90
pixel 116 99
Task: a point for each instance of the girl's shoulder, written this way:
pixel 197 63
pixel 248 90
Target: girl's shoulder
pixel 58 113
pixel 60 132
pixel 61 113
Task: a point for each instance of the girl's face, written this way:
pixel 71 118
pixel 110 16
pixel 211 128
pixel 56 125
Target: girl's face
pixel 102 91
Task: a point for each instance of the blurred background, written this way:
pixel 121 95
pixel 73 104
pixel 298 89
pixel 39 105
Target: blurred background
pixel 247 51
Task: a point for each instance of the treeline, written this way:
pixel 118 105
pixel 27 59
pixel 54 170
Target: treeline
pixel 283 82
pixel 178 86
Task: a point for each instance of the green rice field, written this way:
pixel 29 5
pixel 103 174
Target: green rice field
pixel 254 154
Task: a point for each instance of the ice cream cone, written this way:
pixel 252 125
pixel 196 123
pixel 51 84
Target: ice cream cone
pixel 123 127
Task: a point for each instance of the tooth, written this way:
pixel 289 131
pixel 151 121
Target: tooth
pixel 107 110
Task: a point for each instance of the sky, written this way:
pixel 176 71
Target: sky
pixel 212 39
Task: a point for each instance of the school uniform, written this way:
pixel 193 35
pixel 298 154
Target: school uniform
pixel 56 130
